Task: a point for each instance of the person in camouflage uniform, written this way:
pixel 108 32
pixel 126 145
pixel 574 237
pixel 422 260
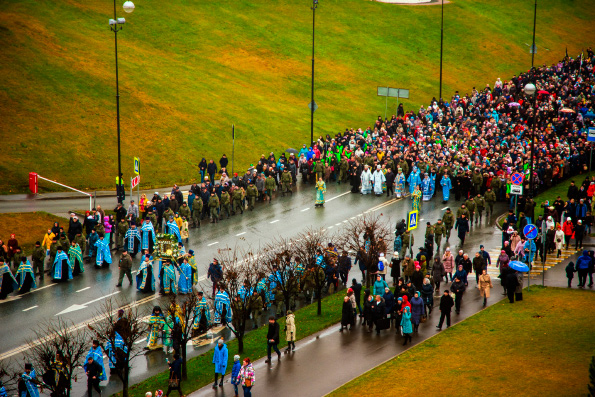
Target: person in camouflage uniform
pixel 286 182
pixel 237 201
pixel 252 195
pixel 439 231
pixel 479 207
pixel 449 222
pixel 196 212
pixel 214 207
pixel 225 204
pixel 490 199
pixel 121 230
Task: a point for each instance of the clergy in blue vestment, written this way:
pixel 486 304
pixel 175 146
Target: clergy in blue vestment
pixel 104 255
pixel 446 186
pixel 97 355
pixel 132 240
pixel 148 239
pixel 185 281
pixel 61 270
pixel 145 281
pixel 222 307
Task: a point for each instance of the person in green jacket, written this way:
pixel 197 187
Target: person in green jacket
pixel 319 169
pixel 197 207
pixel 471 207
pixel 237 201
pixel 214 207
pixel 490 199
pixel 439 231
pixel 53 250
pixel 252 195
pixel 286 182
pixel 225 204
pixel 449 222
pixel 38 258
pixel 270 186
pixel 343 168
pixel 80 240
pixel 121 230
pixel 184 211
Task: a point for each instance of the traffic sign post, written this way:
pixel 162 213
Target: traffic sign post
pixel 136 165
pixel 516 189
pixel 137 172
pixel 411 224
pixel 530 231
pixel 516 179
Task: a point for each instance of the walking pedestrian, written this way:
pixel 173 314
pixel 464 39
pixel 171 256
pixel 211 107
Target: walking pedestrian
pixel 446 304
pixel 570 270
pixel 220 355
pixel 247 377
pixel 290 331
pixel 417 310
pixel 235 372
pixel 582 268
pixel 94 373
pixel 406 327
pixel 458 288
pixel 273 339
pixel 125 266
pixel 347 318
pixel 175 376
pixel 427 295
pixel 484 284
pixel 462 227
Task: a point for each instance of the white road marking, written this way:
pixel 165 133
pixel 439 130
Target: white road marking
pixel 102 297
pixel 39 289
pixel 84 289
pixel 275 221
pixel 216 242
pixel 32 307
pixel 201 278
pixel 338 224
pixel 140 341
pixel 305 209
pixel 239 234
pixel 134 271
pixel 330 227
pixel 421 219
pixel 443 209
pixel 343 194
pixel 353 217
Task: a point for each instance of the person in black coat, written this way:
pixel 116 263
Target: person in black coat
pixel 390 183
pixel 395 267
pixel 175 373
pixel 357 292
pixel 458 287
pixel 94 372
pixel 379 313
pixel 347 318
pixel 273 339
pixel 369 305
pixel 446 304
pixel 511 284
pixel 462 227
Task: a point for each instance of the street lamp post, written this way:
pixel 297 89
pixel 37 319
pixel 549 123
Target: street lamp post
pixel 441 44
pixel 531 90
pixel 312 109
pixel 115 26
pixel 533 49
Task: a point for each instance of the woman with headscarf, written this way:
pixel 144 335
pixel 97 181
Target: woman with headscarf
pixel 417 310
pixel 427 295
pixel 406 327
pixel 448 261
pixel 559 240
pixel 417 278
pixel 368 315
pixel 461 274
pixel 56 229
pixel 347 318
pixel 12 245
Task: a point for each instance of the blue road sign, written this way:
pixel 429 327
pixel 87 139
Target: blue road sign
pixel 517 179
pixel 412 220
pixel 530 231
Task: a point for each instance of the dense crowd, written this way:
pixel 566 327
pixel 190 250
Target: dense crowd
pixel 471 144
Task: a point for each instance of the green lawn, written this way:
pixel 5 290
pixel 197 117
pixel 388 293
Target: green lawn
pixel 189 70
pixel 541 346
pixel 200 369
pixel 28 227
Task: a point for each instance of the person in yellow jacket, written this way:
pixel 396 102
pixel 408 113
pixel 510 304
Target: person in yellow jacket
pixel 47 241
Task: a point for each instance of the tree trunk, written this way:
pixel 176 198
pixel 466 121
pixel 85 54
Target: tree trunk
pixel 319 299
pixel 240 337
pixel 125 382
pixel 287 303
pixel 184 366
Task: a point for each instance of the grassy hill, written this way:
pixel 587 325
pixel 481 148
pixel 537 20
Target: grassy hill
pixel 189 69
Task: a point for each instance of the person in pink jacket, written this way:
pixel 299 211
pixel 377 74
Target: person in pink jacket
pixel 449 263
pixel 108 229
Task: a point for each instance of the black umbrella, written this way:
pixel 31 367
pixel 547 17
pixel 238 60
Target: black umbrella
pixel 291 150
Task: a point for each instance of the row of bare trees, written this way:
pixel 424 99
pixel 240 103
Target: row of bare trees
pixel 283 270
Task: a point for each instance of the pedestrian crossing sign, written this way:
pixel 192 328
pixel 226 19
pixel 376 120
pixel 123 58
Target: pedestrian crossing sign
pixel 412 220
pixel 136 165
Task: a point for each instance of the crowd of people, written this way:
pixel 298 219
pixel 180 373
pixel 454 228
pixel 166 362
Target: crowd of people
pixel 471 145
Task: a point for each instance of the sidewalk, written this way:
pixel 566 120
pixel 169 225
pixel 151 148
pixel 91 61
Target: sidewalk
pixel 329 359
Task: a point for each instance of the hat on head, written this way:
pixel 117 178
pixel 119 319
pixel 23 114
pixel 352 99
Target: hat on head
pixel 191 252
pixel 236 357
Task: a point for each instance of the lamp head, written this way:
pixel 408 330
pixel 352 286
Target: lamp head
pixel 128 6
pixel 530 89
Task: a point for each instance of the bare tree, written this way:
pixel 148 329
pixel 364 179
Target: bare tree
pixel 8 379
pixel 116 331
pixel 309 247
pixel 276 261
pixel 240 278
pixel 183 312
pixel 366 235
pixel 56 352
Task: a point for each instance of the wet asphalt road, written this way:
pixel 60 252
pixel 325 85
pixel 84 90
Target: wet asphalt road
pixel 284 216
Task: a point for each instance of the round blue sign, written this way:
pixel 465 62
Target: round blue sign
pixel 530 231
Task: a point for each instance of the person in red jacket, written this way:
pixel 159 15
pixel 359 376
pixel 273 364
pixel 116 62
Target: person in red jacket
pixel 568 229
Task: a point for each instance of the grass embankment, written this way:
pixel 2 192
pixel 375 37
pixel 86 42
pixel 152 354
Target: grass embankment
pixel 551 194
pixel 184 82
pixel 541 346
pixel 28 227
pixel 200 369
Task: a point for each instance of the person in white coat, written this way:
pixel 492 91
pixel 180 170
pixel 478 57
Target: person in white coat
pixel 559 240
pixel 378 179
pixel 366 178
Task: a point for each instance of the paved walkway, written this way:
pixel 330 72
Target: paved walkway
pixel 329 359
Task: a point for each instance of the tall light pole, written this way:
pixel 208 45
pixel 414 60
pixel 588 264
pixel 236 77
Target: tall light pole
pixel 312 107
pixel 115 26
pixel 441 43
pixel 531 90
pixel 533 49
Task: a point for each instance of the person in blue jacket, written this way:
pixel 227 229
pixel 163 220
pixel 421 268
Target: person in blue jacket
pixel 379 286
pixel 235 371
pixel 582 268
pixel 220 355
